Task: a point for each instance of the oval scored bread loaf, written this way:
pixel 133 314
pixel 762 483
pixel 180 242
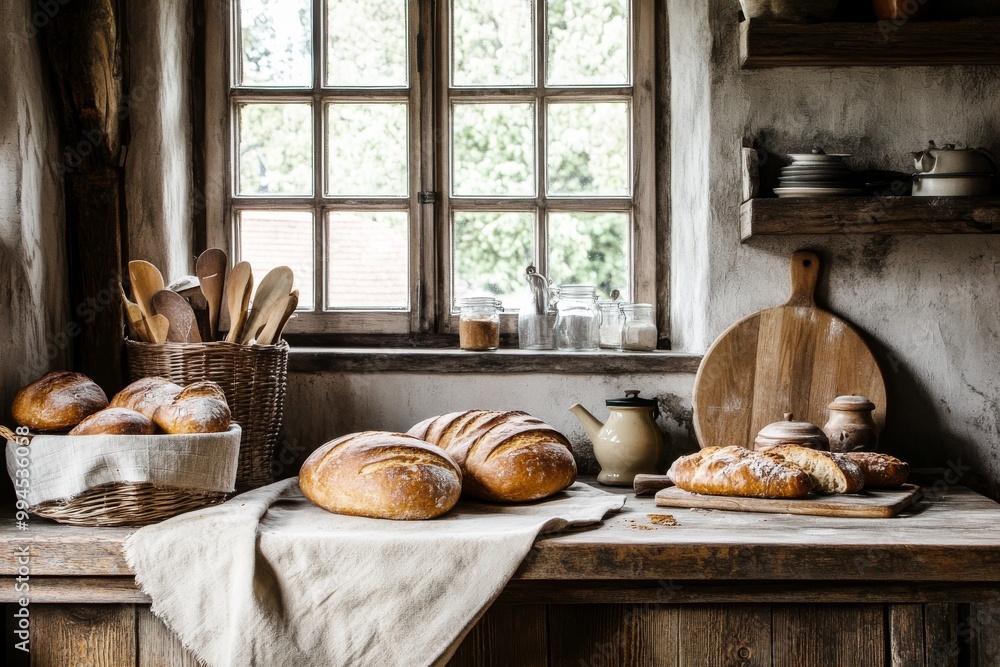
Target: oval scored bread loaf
pixel 146 395
pixel 505 456
pixel 832 472
pixel 200 408
pixel 115 421
pixel 882 471
pixel 57 401
pixel 737 471
pixel 383 476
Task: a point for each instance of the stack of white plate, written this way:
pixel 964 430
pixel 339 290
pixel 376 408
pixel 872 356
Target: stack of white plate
pixel 817 174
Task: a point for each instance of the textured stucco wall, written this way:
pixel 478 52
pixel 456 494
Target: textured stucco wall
pixel 323 406
pixel 929 303
pixel 158 183
pixel 33 295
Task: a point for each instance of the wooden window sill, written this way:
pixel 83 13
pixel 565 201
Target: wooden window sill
pixel 409 360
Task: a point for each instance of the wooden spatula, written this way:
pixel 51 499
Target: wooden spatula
pixel 182 324
pixel 277 284
pixel 238 289
pixel 211 269
pixel 136 323
pixel 147 281
pixel 277 316
pixel 791 358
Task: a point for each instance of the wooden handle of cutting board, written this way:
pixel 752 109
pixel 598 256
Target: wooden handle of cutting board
pixel 805 275
pixel 648 485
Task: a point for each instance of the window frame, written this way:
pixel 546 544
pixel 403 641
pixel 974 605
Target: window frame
pixel 430 315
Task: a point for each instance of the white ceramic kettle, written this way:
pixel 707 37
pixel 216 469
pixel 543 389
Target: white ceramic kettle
pixel 630 443
pixel 951 160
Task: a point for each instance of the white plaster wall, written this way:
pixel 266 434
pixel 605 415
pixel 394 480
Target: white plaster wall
pixel 320 407
pixel 929 303
pixel 33 294
pixel 158 184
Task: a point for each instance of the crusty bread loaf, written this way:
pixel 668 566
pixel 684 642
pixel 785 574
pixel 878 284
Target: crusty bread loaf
pixel 737 471
pixel 200 408
pixel 146 395
pixel 115 421
pixel 505 456
pixel 882 471
pixel 57 401
pixel 832 473
pixel 381 475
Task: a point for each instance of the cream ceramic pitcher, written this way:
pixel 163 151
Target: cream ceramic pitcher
pixel 630 443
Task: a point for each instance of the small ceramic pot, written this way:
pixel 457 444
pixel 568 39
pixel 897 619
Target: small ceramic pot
pixel 789 432
pixel 852 427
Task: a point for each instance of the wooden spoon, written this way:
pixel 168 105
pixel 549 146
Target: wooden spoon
pixel 146 281
pixel 238 289
pixel 211 269
pixel 277 317
pixel 136 323
pixel 277 284
pixel 182 324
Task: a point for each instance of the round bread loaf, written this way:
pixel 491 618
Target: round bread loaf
pixel 882 471
pixel 505 456
pixel 200 408
pixel 115 421
pixel 383 476
pixel 57 401
pixel 146 395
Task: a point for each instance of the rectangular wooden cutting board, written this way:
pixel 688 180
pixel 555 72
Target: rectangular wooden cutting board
pixel 874 504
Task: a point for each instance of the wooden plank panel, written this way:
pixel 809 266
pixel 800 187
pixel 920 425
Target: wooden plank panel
pixel 158 646
pixel 984 634
pixel 100 635
pixel 828 635
pixel 941 634
pixel 723 635
pixel 870 215
pixel 633 635
pixel 507 634
pixel 906 635
pixel 895 43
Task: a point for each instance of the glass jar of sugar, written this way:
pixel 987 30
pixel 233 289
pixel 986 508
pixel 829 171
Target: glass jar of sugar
pixel 638 331
pixel 479 324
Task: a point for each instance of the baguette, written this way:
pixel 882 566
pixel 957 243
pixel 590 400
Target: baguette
pixel 57 401
pixel 737 471
pixel 383 476
pixel 504 456
pixel 881 470
pixel 832 473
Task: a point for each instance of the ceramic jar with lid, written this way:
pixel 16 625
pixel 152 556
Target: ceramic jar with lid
pixel 852 427
pixel 790 432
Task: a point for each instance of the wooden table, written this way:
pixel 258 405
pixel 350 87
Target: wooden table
pixel 718 588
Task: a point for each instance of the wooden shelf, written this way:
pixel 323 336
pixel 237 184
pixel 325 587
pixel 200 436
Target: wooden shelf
pixel 870 215
pixel 969 42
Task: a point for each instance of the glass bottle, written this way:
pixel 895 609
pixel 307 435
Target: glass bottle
pixel 638 331
pixel 578 321
pixel 479 323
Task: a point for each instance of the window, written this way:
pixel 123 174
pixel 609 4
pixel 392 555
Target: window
pixel 402 154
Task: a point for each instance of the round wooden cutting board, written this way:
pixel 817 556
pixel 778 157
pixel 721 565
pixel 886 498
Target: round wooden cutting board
pixel 793 358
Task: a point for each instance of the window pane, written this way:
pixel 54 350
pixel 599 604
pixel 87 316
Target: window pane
pixel 368 149
pixel 368 260
pixel 588 149
pixel 367 43
pixel 491 252
pixel 492 43
pixel 590 249
pixel 493 149
pixel 275 43
pixel 588 43
pixel 275 149
pixel 279 238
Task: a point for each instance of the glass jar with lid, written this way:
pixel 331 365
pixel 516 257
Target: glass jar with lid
pixel 578 321
pixel 611 324
pixel 479 323
pixel 638 331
